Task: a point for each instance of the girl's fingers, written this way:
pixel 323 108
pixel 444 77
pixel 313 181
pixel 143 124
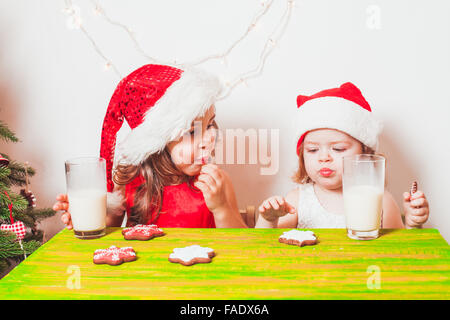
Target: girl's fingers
pixel 64 219
pixel 208 180
pixel 418 202
pixel 62 197
pixel 67 220
pixel 273 202
pixel 63 206
pixel 266 205
pixel 203 187
pixel 417 195
pixel 213 171
pixel 280 201
pixel 420 212
pixel 418 219
pixel 284 205
pixel 62 202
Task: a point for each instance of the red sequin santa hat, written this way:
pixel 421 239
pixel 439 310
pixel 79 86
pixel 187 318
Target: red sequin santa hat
pixel 344 109
pixel 159 103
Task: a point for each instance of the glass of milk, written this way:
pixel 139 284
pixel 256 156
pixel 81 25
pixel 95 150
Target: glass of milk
pixel 86 189
pixel 363 189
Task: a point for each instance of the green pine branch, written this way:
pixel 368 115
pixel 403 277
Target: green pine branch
pixel 4 173
pixel 14 175
pixel 41 214
pixel 10 248
pixel 6 134
pixel 17 176
pixel 20 205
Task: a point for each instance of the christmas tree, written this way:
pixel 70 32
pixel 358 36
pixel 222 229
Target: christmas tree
pixel 19 235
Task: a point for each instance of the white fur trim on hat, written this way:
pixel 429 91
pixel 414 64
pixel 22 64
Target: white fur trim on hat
pixel 340 114
pixel 186 99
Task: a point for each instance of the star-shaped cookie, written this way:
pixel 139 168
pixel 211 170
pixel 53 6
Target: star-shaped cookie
pixel 298 238
pixel 188 256
pixel 114 255
pixel 142 232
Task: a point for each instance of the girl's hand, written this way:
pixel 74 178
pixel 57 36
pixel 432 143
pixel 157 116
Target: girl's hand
pixel 275 207
pixel 416 209
pixel 62 203
pixel 213 181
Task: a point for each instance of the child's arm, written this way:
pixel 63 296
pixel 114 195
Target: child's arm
pixel 273 212
pixel 392 218
pixel 114 220
pixel 116 207
pixel 220 198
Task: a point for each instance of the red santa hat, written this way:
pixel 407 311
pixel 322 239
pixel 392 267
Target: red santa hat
pixel 159 103
pixel 343 109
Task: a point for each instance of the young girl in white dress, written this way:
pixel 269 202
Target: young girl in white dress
pixel 332 124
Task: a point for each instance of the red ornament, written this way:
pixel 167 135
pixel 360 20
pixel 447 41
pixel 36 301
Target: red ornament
pixel 3 161
pixel 17 227
pixel 29 196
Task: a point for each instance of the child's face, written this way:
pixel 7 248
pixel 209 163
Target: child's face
pixel 323 150
pixel 193 150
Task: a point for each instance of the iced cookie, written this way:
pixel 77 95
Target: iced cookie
pixel 114 255
pixel 191 255
pixel 298 238
pixel 142 232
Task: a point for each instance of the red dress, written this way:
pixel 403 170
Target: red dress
pixel 183 206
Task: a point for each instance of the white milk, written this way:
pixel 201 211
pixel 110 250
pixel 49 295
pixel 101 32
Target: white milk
pixel 88 209
pixel 363 205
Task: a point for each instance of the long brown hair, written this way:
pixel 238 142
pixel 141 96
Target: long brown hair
pixel 301 177
pixel 158 170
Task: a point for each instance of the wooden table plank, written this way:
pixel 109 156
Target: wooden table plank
pixel 250 264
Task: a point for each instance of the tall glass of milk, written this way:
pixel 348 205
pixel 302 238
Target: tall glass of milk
pixel 86 190
pixel 363 189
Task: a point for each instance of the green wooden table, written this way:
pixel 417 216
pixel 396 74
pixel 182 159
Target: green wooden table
pixel 250 264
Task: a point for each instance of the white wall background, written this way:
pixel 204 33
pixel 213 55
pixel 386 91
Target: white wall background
pixel 54 91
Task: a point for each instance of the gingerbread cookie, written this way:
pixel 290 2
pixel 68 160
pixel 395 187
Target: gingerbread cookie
pixel 114 255
pixel 298 238
pixel 191 255
pixel 142 232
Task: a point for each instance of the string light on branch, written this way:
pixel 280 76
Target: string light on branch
pixel 101 12
pixel 74 21
pixel 74 18
pixel 253 24
pixel 270 44
pixel 98 10
pixel 107 66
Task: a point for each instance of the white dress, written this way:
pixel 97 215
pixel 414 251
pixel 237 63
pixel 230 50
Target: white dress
pixel 311 213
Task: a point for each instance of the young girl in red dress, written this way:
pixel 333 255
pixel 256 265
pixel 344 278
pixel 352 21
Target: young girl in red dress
pixel 161 173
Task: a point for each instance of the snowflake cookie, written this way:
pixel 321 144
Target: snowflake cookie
pixel 114 255
pixel 191 255
pixel 298 238
pixel 142 232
